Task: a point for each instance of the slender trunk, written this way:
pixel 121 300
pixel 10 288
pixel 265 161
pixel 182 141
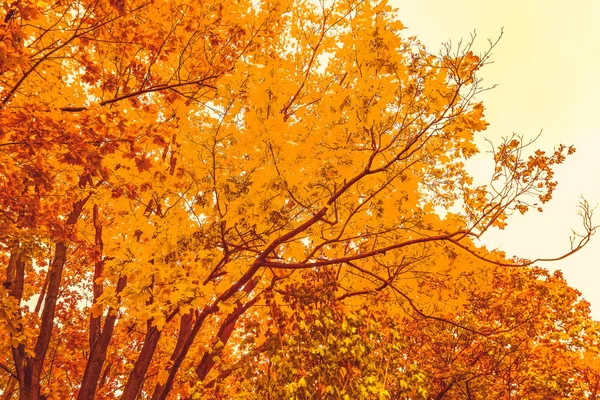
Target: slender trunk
pixel 32 366
pixel 227 328
pixel 15 276
pixel 185 329
pixel 137 375
pixel 105 375
pixel 99 338
pixel 445 390
pixel 93 368
pixel 15 272
pixel 18 353
pixel 10 389
pixel 95 322
pixel 40 300
pixel 161 392
pixel 29 391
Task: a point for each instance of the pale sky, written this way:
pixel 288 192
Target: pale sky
pixel 547 67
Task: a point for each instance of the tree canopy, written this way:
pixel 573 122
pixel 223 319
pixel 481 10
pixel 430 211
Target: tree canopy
pixel 241 199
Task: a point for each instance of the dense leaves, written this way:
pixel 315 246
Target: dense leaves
pixel 534 340
pixel 264 199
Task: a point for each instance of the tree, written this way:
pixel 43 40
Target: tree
pixel 534 341
pixel 174 173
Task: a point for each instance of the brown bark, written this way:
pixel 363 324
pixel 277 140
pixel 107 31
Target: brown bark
pixel 40 301
pixel 15 276
pixel 29 369
pixel 95 322
pixel 15 272
pixel 137 375
pixel 185 329
pixel 443 392
pixel 225 331
pixel 98 351
pixel 161 392
pixel 33 366
pixel 10 389
pixel 18 353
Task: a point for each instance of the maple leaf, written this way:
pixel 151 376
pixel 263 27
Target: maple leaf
pixel 143 163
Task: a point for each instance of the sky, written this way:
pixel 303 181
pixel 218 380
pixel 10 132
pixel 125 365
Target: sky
pixel 547 71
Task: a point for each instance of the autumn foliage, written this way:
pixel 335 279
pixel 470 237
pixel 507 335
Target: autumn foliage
pixel 241 199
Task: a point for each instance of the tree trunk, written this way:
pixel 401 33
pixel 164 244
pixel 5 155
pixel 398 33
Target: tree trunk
pixel 227 328
pixel 136 378
pixel 98 351
pixel 10 388
pixel 161 392
pixel 29 369
pixel 185 329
